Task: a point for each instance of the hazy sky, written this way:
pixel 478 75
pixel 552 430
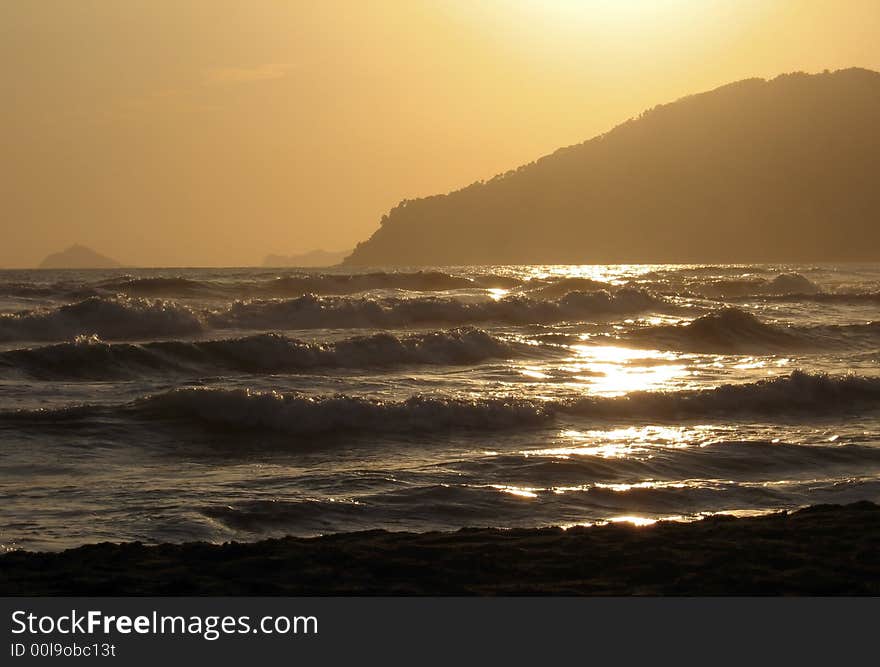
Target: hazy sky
pixel 167 132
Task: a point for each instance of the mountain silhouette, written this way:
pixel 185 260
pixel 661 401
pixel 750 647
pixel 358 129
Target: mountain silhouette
pixel 78 257
pixel 754 171
pixel 310 258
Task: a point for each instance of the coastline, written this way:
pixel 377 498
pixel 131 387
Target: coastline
pixel 819 550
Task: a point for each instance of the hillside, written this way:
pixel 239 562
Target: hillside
pixel 778 170
pixel 78 257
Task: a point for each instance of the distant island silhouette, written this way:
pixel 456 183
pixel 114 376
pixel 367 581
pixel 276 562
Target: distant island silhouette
pixel 754 171
pixel 78 257
pixel 310 258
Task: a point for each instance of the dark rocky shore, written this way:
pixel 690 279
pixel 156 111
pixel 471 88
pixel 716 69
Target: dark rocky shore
pixel 821 550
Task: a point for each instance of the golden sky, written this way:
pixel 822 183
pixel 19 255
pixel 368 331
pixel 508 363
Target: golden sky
pixel 175 133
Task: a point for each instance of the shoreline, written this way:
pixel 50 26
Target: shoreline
pixel 819 550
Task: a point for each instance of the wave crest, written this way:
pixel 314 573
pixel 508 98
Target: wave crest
pixel 121 318
pixel 311 311
pixel 784 283
pixel 113 318
pixel 729 330
pixel 292 285
pixel 90 357
pixel 297 414
pixel 800 393
pixel 734 331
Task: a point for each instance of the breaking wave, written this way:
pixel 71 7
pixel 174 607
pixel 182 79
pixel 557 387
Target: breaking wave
pixel 797 393
pixel 553 288
pixel 120 318
pixel 297 414
pixel 113 318
pixel 89 357
pixel 732 331
pixel 276 286
pixel 802 394
pixel 785 283
pixel 449 505
pixel 162 286
pixel 757 460
pixel 845 298
pixel 728 330
pixel 419 281
pixel 333 312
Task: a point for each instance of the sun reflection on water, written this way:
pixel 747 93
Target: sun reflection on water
pixel 632 519
pixel 519 491
pixel 535 373
pixel 622 442
pixel 615 371
pixel 615 274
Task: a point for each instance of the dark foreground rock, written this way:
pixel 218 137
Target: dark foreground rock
pixel 822 550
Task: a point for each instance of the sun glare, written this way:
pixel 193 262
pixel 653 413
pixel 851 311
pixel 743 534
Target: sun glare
pixel 605 10
pixel 607 19
pixel 614 371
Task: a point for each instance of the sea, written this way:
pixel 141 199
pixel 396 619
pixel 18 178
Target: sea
pixel 216 405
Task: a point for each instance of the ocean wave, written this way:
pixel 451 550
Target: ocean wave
pixel 66 291
pixel 745 460
pixel 34 290
pixel 553 288
pixel 715 270
pixel 455 503
pixel 784 283
pixel 112 318
pixel 844 298
pixel 121 318
pixel 299 414
pixel 799 394
pixel 734 331
pixel 278 286
pixel 334 312
pixel 89 357
pixel 729 330
pixel 420 281
pixel 162 286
